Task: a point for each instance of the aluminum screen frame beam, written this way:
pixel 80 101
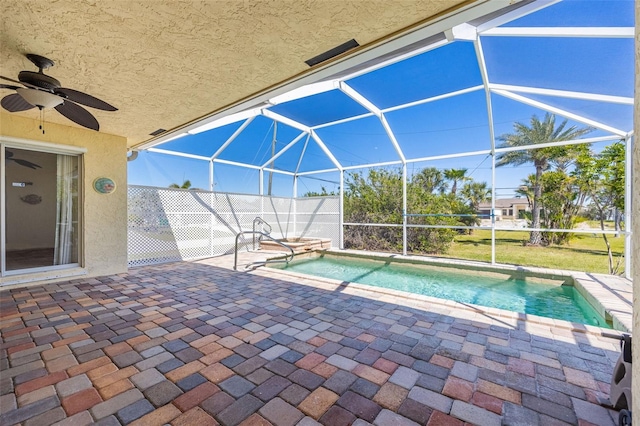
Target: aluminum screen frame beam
pixel 232 138
pixel 326 150
pixel 558 143
pixel 285 120
pixel 563 93
pixel 230 119
pixel 178 154
pixel 515 14
pixel 433 98
pixel 362 100
pixel 477 44
pixel 285 149
pixel 316 172
pixel 555 32
pixel 370 165
pixel 559 111
pixel 236 163
pixel 343 120
pixel 212 183
pixel 304 91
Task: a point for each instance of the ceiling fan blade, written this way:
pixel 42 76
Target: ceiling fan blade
pixel 15 103
pixel 8 86
pixel 26 163
pixel 9 79
pixel 85 99
pixel 19 82
pixel 78 115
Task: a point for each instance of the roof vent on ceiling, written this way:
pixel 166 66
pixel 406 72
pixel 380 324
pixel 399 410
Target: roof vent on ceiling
pixel 331 53
pixel 158 132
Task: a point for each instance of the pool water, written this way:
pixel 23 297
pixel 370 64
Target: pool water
pixel 497 290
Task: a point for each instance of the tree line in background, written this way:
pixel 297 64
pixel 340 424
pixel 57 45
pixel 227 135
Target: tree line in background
pixel 376 198
pixel 570 183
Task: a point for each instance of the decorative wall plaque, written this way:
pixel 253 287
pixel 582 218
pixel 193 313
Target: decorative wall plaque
pixel 32 199
pixel 104 185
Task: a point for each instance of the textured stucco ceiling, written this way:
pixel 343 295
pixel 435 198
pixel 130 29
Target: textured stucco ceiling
pixel 164 63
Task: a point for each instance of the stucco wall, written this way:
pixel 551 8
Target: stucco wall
pixel 104 215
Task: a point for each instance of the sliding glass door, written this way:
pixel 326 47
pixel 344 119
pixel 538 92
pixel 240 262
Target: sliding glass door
pixel 40 210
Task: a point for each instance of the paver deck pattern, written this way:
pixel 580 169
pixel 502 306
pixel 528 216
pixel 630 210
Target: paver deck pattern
pixel 198 343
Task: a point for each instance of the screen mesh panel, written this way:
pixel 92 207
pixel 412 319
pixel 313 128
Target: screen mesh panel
pixel 166 225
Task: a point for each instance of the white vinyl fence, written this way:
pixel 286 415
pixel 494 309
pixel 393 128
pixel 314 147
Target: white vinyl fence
pixel 166 225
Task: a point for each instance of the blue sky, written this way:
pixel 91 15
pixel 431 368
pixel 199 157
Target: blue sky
pixel 453 125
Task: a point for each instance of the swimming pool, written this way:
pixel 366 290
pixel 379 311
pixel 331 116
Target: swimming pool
pixel 543 297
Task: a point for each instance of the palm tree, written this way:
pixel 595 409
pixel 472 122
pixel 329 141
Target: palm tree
pixel 526 189
pixel 185 185
pixel 476 193
pixel 430 179
pixel 538 132
pixel 455 176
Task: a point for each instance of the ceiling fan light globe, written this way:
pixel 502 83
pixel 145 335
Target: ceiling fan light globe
pixel 39 98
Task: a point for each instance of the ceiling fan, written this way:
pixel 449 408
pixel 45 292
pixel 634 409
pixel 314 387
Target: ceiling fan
pixel 9 157
pixel 43 91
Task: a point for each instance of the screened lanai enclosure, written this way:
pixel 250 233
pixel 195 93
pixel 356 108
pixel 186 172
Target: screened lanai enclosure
pixel 461 139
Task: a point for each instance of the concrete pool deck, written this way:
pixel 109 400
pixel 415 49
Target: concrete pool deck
pixel 198 343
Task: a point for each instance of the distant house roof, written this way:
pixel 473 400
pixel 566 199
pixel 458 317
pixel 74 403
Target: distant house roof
pixel 505 203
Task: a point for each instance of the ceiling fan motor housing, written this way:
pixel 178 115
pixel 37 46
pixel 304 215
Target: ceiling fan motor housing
pixel 39 80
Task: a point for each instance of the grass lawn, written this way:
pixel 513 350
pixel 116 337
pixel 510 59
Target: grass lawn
pixel 584 252
pixel 608 224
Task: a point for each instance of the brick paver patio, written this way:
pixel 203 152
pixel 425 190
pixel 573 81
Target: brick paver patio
pixel 200 344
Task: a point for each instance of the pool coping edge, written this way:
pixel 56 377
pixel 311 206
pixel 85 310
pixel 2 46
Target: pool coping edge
pixel 610 303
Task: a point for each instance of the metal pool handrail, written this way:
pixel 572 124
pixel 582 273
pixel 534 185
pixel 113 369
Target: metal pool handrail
pixel 261 221
pixel 287 258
